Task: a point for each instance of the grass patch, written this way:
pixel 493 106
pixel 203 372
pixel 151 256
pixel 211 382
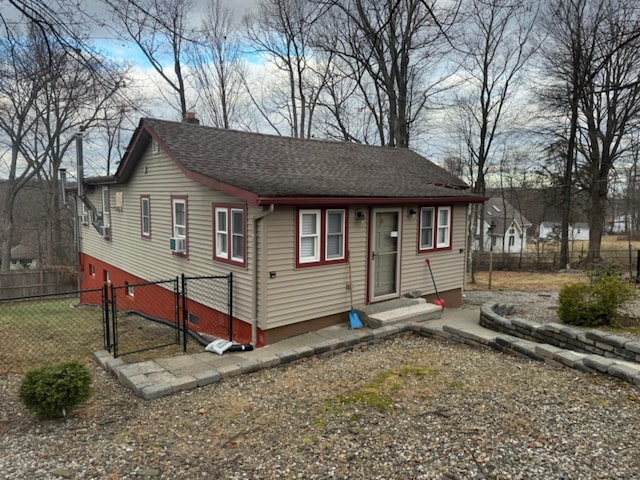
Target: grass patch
pixel 525 281
pixel 377 394
pixel 44 332
pixel 38 333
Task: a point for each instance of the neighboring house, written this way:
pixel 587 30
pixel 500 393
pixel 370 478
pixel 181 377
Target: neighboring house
pixel 285 215
pixel 624 223
pixel 504 227
pixel 551 231
pixel 21 258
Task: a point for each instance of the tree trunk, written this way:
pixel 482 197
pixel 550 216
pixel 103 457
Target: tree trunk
pixel 596 216
pixel 7 231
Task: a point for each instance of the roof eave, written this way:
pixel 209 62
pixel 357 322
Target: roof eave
pixel 304 201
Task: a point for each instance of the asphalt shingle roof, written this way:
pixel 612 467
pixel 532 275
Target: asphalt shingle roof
pixel 268 165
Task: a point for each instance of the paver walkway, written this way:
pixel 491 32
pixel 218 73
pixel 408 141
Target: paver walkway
pixel 165 376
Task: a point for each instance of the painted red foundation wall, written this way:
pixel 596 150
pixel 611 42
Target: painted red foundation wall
pixel 159 301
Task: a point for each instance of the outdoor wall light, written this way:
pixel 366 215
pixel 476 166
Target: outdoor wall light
pixel 413 213
pixel 361 216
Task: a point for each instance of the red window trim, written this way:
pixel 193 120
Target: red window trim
pixel 435 247
pixel 186 223
pixel 229 207
pixel 323 237
pixel 147 236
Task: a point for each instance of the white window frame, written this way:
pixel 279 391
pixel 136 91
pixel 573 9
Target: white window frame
pixel 236 256
pixel 444 228
pixel 340 234
pixel 84 214
pixel 226 235
pixel 106 208
pixel 176 227
pixel 315 256
pixel 222 235
pixel 147 232
pixel 430 227
pixel 440 228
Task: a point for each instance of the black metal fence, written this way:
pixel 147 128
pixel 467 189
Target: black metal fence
pixel 625 261
pixel 43 329
pixel 129 319
pixel 144 316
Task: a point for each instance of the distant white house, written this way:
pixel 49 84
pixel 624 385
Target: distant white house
pixel 504 227
pixel 21 258
pixel 552 230
pixel 623 223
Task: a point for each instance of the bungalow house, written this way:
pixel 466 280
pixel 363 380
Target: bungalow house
pixel 289 217
pixel 504 227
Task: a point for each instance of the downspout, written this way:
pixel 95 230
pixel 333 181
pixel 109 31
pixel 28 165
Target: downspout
pixel 254 322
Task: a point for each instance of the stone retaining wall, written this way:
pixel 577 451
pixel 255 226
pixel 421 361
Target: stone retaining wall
pixel 587 341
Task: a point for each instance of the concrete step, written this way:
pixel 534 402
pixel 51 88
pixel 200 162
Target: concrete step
pixel 399 310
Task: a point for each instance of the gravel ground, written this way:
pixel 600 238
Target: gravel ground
pixel 405 408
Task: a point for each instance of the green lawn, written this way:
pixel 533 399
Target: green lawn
pixel 39 332
pixel 36 333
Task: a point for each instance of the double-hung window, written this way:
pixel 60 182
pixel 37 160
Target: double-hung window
pixel 334 249
pixel 321 236
pixel 179 216
pixel 435 228
pixel 229 234
pixel 427 222
pixel 84 216
pixel 444 227
pixel 106 213
pixel 309 239
pixel 145 216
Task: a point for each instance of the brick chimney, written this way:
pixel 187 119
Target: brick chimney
pixel 190 117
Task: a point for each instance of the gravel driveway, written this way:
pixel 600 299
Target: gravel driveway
pixel 405 408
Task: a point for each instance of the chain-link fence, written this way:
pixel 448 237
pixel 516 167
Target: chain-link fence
pixel 129 319
pixel 144 316
pixel 624 261
pixel 44 329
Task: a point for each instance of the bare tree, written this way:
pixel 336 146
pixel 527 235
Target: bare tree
pixel 281 32
pixel 160 29
pixel 219 69
pixel 21 81
pixel 391 48
pixel 50 95
pixel 496 42
pixel 599 41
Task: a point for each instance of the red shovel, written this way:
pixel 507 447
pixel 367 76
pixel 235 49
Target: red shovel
pixel 438 301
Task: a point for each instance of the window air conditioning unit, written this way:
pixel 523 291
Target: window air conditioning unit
pixel 178 244
pixel 105 232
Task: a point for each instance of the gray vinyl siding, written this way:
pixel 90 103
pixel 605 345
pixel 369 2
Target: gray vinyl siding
pixel 151 259
pixel 447 265
pixel 299 294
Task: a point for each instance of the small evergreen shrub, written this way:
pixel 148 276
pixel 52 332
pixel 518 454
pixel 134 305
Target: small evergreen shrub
pixel 55 390
pixel 594 304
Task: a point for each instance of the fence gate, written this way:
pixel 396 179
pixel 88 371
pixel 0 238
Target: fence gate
pixel 207 304
pixel 144 316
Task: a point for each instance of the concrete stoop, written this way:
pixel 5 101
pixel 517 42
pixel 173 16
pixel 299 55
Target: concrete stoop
pixel 400 310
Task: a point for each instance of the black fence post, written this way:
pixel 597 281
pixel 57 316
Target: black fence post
pixel 185 311
pixel 230 296
pixel 114 320
pixel 105 317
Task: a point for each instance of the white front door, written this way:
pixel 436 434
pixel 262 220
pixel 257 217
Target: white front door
pixel 384 260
